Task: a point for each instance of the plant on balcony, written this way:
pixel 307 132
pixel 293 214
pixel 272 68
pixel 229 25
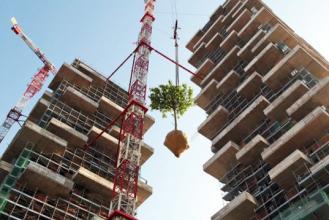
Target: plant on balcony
pixel 174 99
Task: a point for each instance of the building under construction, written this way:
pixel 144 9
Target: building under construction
pixel 47 171
pixel 266 93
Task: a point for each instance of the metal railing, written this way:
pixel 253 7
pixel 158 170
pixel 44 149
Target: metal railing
pixel 75 119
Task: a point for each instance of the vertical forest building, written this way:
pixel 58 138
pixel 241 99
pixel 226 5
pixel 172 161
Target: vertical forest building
pixel 47 172
pixel 266 93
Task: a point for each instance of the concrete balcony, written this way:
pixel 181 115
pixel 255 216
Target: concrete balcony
pixel 77 100
pixel 242 207
pixel 214 42
pixel 203 71
pixel 277 109
pixel 109 107
pixel 212 30
pixel 71 74
pixel 317 96
pixel 47 181
pixel 98 79
pixel 207 94
pixel 297 58
pixel 312 127
pixel 283 173
pixel 265 60
pixel 45 141
pixel 38 110
pixel 220 23
pixel 74 138
pixel 108 144
pixel 214 122
pixel 223 67
pixel 5 168
pixel 250 86
pixel 240 21
pixel 104 187
pixel 194 40
pixel 318 172
pixel 263 16
pixel 236 8
pixel 198 56
pixel 252 150
pixel 113 110
pixel 243 124
pixel 278 33
pixel 246 52
pixel 230 41
pixel 222 161
pixel 228 83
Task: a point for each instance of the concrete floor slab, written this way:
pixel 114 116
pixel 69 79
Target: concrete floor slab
pixel 243 124
pixel 297 58
pixel 43 140
pixel 223 67
pixel 265 60
pixel 79 101
pixel 222 161
pixel 38 110
pixel 71 74
pixel 251 152
pixel 207 94
pixel 198 54
pixel 109 107
pixel 277 109
pixel 240 21
pixel 214 122
pixel 311 128
pixel 263 16
pixel 99 80
pixel 47 181
pixel 230 41
pixel 202 71
pixel 283 173
pixel 242 207
pixel 214 42
pixel 278 33
pixel 104 187
pixel 245 53
pixel 317 96
pixel 75 139
pixel 109 145
pixel 194 40
pixel 250 86
pixel 228 83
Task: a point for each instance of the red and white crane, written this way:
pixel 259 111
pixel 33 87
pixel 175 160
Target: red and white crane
pixel 124 197
pixel 35 85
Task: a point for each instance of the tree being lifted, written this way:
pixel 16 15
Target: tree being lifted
pixel 175 99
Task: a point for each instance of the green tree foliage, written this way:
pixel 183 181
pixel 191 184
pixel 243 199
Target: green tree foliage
pixel 173 99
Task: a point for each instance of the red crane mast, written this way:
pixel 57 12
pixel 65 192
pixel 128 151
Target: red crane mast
pixel 124 197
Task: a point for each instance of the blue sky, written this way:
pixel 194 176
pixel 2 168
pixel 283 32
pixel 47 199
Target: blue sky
pixel 102 33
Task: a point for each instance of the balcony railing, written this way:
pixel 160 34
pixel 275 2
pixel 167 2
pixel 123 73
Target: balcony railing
pixel 75 119
pixel 271 131
pixel 303 75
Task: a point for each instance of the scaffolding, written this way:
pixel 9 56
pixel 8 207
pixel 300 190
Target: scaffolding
pixel 24 203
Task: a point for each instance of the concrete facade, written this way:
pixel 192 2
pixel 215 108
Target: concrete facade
pixel 50 172
pixel 265 91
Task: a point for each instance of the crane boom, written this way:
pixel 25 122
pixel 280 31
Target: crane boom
pixel 19 31
pixel 34 87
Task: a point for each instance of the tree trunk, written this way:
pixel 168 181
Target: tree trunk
pixel 175 119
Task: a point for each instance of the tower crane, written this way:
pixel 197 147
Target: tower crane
pixel 34 86
pixel 124 197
